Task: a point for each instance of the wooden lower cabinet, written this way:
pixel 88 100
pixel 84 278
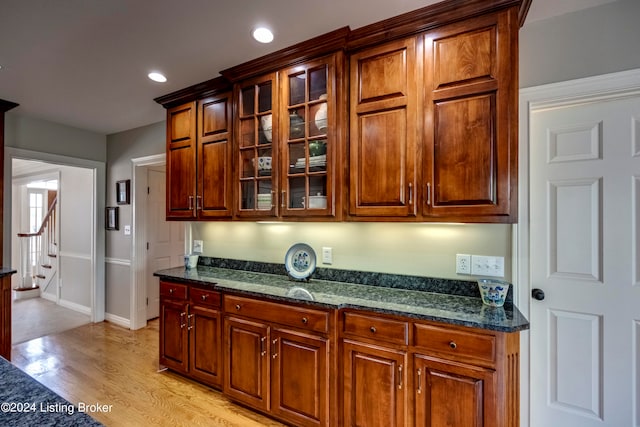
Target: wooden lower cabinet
pixel 452 395
pixel 190 335
pixel 397 372
pixel 374 387
pixel 275 368
pixel 280 359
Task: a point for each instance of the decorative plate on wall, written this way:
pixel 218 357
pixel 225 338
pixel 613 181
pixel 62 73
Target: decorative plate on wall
pixel 300 261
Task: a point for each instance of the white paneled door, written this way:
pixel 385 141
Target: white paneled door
pixel 165 238
pixel 584 247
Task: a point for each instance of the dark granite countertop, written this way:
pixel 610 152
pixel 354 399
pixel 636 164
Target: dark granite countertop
pixel 442 307
pixel 6 271
pixel 26 402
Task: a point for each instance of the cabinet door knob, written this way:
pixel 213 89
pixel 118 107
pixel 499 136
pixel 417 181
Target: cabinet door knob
pixel 171 290
pixel 453 345
pixel 537 294
pixel 204 297
pixel 237 306
pixel 305 320
pixel 373 329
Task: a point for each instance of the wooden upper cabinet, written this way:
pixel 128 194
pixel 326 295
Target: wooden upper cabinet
pixel 256 154
pixel 470 129
pixel 181 157
pixel 214 198
pixel 384 127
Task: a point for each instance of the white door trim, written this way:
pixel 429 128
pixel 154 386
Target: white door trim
pixel 138 305
pixel 97 234
pixel 592 89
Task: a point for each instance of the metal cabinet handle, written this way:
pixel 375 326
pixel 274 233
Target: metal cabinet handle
pixel 453 345
pixel 171 290
pixel 400 377
pixel 274 201
pixel 199 203
pixel 189 325
pixel 283 195
pixel 263 350
pixel 373 329
pixel 428 194
pixel 238 307
pixel 274 348
pixel 305 320
pixel 182 324
pixel 190 202
pixel 419 381
pixel 204 297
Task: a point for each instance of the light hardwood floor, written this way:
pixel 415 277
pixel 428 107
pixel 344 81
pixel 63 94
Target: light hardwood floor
pixel 106 364
pixel 37 317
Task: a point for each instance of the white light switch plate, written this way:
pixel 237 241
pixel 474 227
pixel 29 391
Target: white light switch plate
pixel 127 230
pixel 327 255
pixel 198 246
pixel 487 265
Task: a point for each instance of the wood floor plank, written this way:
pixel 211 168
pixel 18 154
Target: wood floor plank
pixel 106 364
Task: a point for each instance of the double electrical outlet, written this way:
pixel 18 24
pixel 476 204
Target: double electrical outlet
pixel 480 265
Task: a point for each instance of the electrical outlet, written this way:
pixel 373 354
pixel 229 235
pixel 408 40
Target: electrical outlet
pixel 487 265
pixel 463 264
pixel 198 246
pixel 327 255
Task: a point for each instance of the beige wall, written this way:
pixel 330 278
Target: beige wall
pixel 416 249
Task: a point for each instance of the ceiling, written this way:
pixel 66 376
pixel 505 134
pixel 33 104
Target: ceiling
pixel 84 63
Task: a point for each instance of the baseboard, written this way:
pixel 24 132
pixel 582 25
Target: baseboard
pixel 117 320
pixel 48 297
pixel 75 307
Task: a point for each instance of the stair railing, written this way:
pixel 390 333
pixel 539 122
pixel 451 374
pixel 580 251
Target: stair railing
pixel 36 249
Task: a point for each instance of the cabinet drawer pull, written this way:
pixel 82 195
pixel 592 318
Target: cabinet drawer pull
pixel 453 345
pixel 400 377
pixel 198 203
pixel 182 324
pixel 238 307
pixel 171 290
pixel 263 350
pixel 204 297
pixel 419 381
pixel 274 348
pixel 283 197
pixel 428 194
pixel 373 329
pixel 274 201
pixel 190 202
pixel 305 320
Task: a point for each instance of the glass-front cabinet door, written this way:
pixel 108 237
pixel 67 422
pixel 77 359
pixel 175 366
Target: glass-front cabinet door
pixel 257 148
pixel 307 138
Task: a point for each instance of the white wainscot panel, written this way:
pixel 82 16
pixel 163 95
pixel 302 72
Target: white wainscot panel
pixel 575 143
pixel 575 362
pixel 575 225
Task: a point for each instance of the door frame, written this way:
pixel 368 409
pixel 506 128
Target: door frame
pixel 138 306
pixel 97 278
pixel 590 89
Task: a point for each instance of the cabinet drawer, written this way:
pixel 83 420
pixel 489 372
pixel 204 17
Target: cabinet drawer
pixel 394 331
pixel 297 317
pixel 205 297
pixel 173 290
pixel 454 342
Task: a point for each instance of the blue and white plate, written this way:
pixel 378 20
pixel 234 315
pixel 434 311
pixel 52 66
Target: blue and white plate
pixel 300 261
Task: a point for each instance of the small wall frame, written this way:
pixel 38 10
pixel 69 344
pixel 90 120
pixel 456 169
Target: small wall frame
pixel 111 218
pixel 123 192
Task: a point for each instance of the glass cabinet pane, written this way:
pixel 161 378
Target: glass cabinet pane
pixel 318 83
pixel 297 88
pixel 248 100
pixel 264 97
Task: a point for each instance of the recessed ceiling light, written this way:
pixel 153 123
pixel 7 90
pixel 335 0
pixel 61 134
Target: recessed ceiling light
pixel 263 35
pixel 157 77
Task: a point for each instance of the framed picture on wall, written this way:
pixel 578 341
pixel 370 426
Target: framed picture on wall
pixel 123 192
pixel 111 218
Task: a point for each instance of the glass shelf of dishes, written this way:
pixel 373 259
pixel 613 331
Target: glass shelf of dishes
pixel 283 151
